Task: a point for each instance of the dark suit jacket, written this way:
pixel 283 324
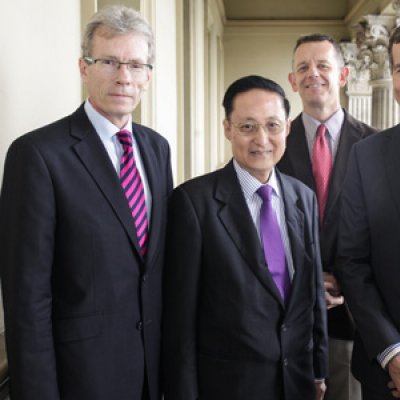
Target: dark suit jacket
pixel 227 332
pixel 82 307
pixel 296 162
pixel 369 250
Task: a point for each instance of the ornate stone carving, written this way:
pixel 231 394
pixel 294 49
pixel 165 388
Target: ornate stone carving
pixel 372 38
pixel 369 87
pixel 359 66
pixel 396 8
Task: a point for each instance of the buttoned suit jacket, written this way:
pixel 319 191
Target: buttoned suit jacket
pixel 82 306
pixel 296 162
pixel 370 253
pixel 227 332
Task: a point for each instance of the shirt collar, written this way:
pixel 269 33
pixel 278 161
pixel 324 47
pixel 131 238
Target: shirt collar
pixel 250 184
pixel 333 124
pixel 104 128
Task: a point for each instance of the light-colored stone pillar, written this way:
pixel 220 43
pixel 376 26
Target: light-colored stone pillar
pixel 359 91
pixel 378 30
pixel 370 74
pixel 385 111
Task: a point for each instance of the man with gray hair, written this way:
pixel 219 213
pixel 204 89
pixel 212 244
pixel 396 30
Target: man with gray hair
pixel 82 228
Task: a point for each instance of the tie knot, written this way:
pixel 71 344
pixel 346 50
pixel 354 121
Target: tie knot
pixel 321 130
pixel 265 192
pixel 124 138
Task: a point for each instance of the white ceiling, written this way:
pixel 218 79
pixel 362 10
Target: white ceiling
pixel 297 9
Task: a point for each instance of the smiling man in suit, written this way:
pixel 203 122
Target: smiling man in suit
pixel 82 229
pixel 317 153
pixel 369 250
pixel 244 307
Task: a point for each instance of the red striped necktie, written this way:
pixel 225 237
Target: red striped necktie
pixel 322 169
pixel 133 187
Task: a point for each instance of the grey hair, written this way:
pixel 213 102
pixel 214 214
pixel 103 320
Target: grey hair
pixel 117 20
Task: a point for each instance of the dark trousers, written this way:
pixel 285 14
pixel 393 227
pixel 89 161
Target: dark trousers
pixel 373 393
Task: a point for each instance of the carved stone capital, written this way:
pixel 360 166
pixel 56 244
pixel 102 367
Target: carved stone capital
pixel 396 7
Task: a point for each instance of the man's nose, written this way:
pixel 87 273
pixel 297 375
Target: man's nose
pixel 124 76
pixel 262 135
pixel 313 70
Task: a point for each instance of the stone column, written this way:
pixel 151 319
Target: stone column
pixel 385 110
pixel 359 91
pixel 372 38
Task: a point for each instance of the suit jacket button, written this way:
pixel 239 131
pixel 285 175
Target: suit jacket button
pixel 144 277
pixel 285 362
pixel 139 326
pixel 283 328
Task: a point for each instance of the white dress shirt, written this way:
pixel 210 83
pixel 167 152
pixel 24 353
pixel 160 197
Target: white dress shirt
pixel 107 132
pixel 250 185
pixel 333 126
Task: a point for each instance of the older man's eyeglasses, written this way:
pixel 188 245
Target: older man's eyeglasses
pixel 251 128
pixel 111 66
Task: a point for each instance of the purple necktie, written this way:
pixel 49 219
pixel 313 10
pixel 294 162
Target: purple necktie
pixel 274 250
pixel 133 187
pixel 322 169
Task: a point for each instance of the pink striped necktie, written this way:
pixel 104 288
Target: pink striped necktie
pixel 133 187
pixel 322 169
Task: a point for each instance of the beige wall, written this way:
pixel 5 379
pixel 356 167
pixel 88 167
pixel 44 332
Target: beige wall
pixel 39 76
pixel 266 49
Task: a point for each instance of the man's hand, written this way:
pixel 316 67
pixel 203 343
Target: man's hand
pixel 320 389
pixel 333 295
pixel 394 372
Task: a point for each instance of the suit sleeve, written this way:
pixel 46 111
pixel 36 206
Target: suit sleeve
pixel 27 225
pixel 181 283
pixel 320 330
pixel 354 269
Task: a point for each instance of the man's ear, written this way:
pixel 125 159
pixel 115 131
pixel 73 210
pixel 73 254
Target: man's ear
pixel 83 69
pixel 289 124
pixel 292 81
pixel 227 129
pixel 344 74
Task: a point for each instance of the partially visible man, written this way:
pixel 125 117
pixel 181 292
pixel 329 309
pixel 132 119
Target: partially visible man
pixel 317 153
pixel 369 250
pixel 244 307
pixel 82 229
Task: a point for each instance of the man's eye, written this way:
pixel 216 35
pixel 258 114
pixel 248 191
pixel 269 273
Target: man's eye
pixel 136 66
pixel 108 62
pixel 247 127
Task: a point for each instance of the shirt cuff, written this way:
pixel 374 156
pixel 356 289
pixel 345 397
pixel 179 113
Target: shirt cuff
pixel 319 380
pixel 387 355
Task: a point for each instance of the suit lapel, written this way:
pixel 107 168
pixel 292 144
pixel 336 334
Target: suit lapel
pixel 236 219
pixel 348 136
pixel 295 228
pixel 298 153
pixel 93 155
pixel 390 155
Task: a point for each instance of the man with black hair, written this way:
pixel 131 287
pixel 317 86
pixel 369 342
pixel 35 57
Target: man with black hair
pixel 244 307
